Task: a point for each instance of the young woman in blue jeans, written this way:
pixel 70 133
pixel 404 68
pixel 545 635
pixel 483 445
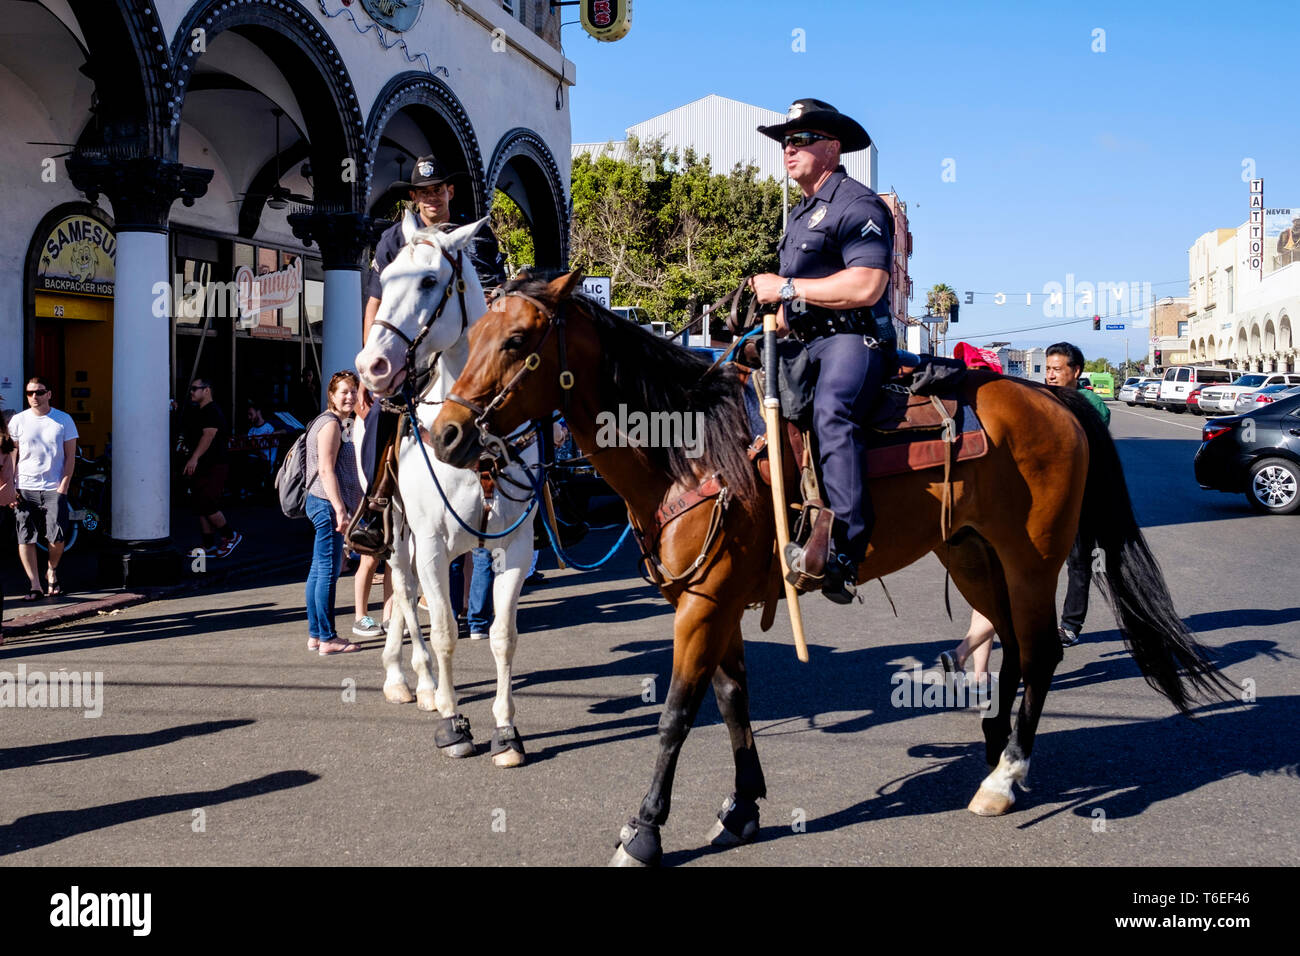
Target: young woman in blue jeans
pixel 333 494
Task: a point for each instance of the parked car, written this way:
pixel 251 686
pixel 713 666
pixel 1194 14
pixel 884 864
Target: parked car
pixel 1178 381
pixel 1261 396
pixel 1129 390
pixel 1194 399
pixel 1222 399
pixel 1256 454
pixel 1148 394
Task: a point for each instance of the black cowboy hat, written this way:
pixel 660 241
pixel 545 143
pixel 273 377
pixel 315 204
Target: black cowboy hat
pixel 428 172
pixel 809 114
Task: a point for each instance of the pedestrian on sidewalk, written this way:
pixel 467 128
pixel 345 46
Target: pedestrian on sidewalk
pixel 365 419
pixel 207 436
pixel 1063 368
pixel 333 494
pixel 47 453
pixel 8 497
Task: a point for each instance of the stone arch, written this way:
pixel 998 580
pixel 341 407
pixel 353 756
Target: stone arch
pixel 128 60
pixel 315 71
pixel 443 122
pixel 1211 350
pixel 1270 335
pixel 524 168
pixel 1256 341
pixel 1285 341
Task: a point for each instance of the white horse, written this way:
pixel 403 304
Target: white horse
pixel 422 304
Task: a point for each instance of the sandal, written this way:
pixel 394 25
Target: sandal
pixel 949 662
pixel 337 645
pixel 55 589
pixel 35 595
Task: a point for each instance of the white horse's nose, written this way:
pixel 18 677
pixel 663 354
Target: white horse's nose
pixel 377 370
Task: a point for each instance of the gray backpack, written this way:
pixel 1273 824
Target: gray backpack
pixel 292 480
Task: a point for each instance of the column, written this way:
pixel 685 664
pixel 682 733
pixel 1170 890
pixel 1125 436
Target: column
pixel 342 238
pixel 141 191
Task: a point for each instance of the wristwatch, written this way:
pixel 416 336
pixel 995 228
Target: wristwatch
pixel 787 291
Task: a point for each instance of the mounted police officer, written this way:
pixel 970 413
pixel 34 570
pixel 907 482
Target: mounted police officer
pixel 834 293
pixel 431 189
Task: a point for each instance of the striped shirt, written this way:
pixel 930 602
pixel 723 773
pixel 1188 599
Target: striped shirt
pixel 345 462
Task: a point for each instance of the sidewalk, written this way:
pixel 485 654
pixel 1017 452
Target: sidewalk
pixel 271 541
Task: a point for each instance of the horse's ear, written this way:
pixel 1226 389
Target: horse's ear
pixel 560 289
pixel 459 236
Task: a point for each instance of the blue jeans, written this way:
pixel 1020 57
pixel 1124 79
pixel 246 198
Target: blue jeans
pixel 480 589
pixel 480 592
pixel 324 573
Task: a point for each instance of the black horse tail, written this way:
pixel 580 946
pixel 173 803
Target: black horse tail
pixel 1168 654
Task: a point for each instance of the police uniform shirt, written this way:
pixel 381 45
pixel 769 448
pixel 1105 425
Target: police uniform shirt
pixel 844 224
pixel 484 254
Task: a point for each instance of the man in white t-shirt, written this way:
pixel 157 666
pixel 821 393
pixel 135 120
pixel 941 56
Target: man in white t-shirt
pixel 47 453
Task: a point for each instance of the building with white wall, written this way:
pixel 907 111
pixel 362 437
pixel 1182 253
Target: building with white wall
pixel 726 131
pixel 1238 318
pixel 279 125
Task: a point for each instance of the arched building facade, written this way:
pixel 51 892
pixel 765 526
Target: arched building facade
pixel 160 152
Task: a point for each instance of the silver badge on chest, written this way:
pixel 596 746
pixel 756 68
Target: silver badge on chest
pixel 817 217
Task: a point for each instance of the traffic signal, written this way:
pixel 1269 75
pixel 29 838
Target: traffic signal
pixel 1157 358
pixel 1096 323
pixel 952 313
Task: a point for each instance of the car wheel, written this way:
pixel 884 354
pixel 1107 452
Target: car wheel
pixel 1177 409
pixel 1274 486
pixel 1132 404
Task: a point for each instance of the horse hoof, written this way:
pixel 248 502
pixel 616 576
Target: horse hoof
pixel 453 738
pixel 424 700
pixel 989 803
pixel 398 694
pixel 623 858
pixel 721 836
pixel 508 758
pixel 743 817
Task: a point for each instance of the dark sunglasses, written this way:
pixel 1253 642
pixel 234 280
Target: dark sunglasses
pixel 39 392
pixel 802 139
pixel 197 388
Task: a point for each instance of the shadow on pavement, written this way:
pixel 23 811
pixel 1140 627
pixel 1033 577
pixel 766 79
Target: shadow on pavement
pixel 41 829
pixel 84 748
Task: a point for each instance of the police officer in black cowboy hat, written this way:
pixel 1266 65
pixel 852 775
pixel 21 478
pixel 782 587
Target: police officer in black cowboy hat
pixel 834 294
pixel 431 189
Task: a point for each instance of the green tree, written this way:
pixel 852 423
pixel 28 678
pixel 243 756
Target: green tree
pixel 940 299
pixel 671 234
pixel 514 233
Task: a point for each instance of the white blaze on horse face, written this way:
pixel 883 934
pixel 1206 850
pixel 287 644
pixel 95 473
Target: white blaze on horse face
pixel 409 301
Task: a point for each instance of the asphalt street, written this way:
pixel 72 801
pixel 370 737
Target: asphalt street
pixel 223 741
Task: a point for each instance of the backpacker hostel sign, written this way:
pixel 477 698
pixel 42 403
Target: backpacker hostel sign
pixel 266 293
pixel 78 257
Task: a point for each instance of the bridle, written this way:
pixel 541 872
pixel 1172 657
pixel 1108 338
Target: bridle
pixel 412 344
pixel 554 323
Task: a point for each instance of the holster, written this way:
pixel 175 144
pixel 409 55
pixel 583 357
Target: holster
pixel 371 529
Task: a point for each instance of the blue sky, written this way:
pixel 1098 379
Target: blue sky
pixel 1104 165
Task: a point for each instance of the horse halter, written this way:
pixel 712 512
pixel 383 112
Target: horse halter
pixel 413 344
pixel 554 322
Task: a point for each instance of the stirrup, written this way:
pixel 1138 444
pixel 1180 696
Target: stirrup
pixel 371 530
pixel 840 585
pixel 808 552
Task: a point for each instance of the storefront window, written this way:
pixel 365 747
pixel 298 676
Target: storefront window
pixel 289 315
pixel 314 293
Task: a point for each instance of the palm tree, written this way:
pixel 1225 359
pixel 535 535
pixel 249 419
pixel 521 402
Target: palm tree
pixel 940 300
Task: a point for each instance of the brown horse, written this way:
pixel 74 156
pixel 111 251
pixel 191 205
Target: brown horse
pixel 1051 471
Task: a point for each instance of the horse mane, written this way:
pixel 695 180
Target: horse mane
pixel 651 374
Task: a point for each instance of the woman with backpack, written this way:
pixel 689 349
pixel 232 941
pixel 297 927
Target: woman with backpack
pixel 333 494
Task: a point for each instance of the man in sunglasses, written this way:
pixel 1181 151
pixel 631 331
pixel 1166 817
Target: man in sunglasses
pixel 47 453
pixel 207 436
pixel 834 294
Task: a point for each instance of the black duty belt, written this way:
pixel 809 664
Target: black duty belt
pixel 817 322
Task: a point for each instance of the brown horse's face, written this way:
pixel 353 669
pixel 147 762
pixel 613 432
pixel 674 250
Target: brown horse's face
pixel 500 344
